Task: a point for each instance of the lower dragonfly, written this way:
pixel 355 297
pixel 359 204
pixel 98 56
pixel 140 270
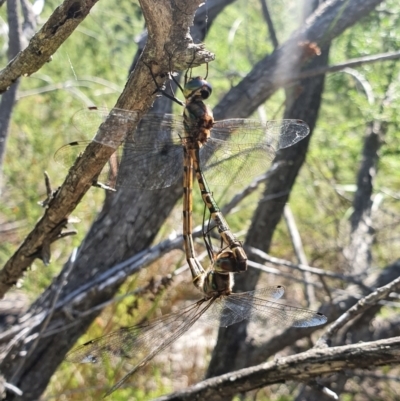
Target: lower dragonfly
pixel 140 343
pixel 219 306
pixel 219 152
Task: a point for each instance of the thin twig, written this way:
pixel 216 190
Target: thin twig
pixel 361 306
pixel 277 272
pixel 313 270
pixel 299 251
pixel 268 20
pixel 355 62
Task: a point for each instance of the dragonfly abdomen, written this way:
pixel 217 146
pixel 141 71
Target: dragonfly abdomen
pixel 237 263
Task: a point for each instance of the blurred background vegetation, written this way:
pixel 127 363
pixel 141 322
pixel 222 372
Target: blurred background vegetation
pixel 91 68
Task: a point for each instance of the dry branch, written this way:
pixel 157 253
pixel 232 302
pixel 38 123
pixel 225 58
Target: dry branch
pixel 45 43
pixel 37 367
pixel 301 367
pixel 361 306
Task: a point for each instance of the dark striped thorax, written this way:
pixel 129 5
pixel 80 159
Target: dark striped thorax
pixel 197 116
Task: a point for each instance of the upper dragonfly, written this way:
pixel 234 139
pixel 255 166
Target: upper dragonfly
pixel 220 152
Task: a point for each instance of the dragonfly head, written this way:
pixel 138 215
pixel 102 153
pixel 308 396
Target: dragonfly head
pixel 197 87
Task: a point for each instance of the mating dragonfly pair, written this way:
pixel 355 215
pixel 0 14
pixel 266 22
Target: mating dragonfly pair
pixel 213 151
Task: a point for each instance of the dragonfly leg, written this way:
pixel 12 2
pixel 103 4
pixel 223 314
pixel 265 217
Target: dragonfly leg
pixel 163 91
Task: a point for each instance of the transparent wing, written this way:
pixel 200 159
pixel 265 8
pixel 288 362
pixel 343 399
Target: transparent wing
pixel 241 149
pixel 152 155
pixel 225 313
pixel 258 305
pixel 138 343
pixel 141 343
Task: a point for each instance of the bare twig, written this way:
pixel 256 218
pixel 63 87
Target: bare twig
pixel 48 317
pixel 299 250
pixel 361 306
pixel 355 62
pixel 303 268
pixel 268 20
pixel 282 66
pixel 277 272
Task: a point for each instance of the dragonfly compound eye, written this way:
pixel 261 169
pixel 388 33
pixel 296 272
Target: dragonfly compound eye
pixel 206 92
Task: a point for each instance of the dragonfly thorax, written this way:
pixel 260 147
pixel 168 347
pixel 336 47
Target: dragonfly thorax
pixel 198 121
pixel 197 116
pixel 216 284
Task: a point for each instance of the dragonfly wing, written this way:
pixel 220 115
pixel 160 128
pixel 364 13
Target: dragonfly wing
pixel 293 131
pixel 240 149
pixel 135 165
pixel 261 306
pixel 67 155
pixel 285 315
pixel 279 134
pixel 258 305
pixel 116 344
pixel 139 343
pixel 223 314
pixel 151 157
pixel 228 310
pixel 87 121
pixel 226 164
pixel 153 166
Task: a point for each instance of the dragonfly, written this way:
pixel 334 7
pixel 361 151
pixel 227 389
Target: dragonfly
pixel 140 343
pixel 216 152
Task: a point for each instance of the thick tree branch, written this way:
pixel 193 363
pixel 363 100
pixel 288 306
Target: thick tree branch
pixel 118 233
pixel 301 367
pixel 229 353
pixel 358 252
